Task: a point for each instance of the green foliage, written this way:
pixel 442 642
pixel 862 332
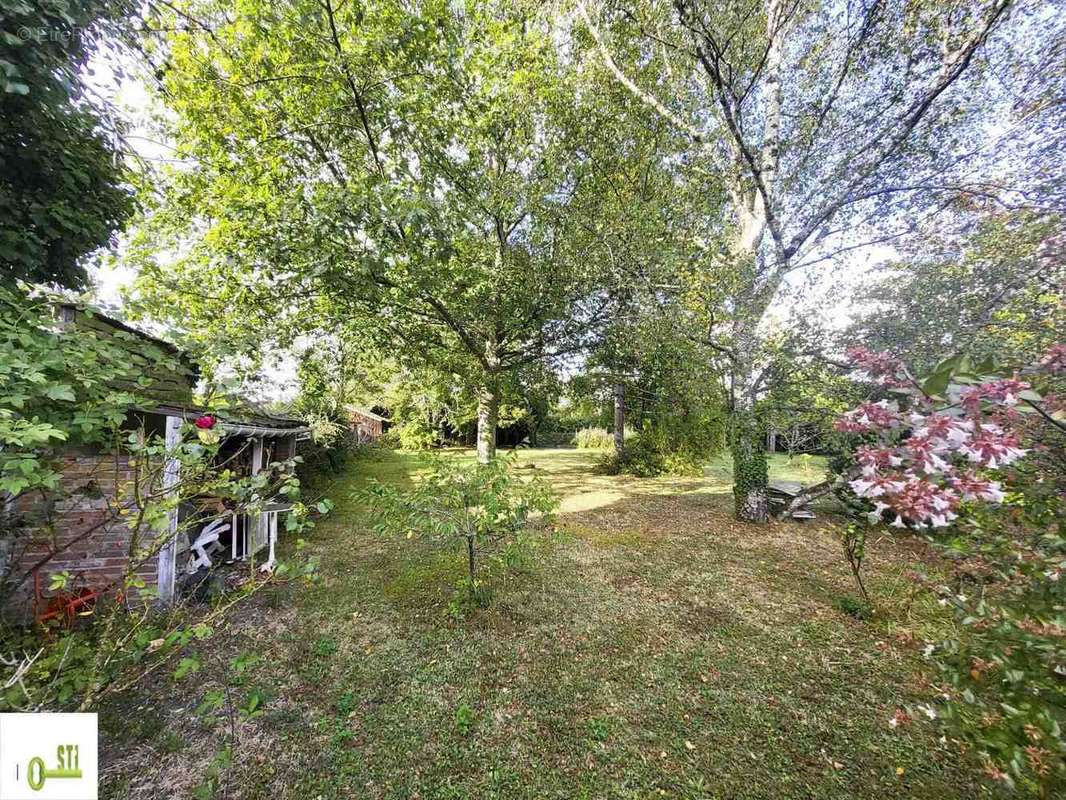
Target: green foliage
pixel 478 505
pixel 81 388
pixel 63 188
pixel 855 607
pixel 232 699
pixel 464 719
pixel 641 457
pixel 59 390
pixel 325 647
pixel 1003 664
pixel 599 730
pixel 1006 668
pixel 416 434
pixel 432 217
pixel 1005 285
pixel 598 438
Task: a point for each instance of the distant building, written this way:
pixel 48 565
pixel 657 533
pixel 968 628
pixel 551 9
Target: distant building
pixel 367 425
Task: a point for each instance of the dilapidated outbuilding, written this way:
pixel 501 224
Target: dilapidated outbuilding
pixel 80 528
pixel 367 425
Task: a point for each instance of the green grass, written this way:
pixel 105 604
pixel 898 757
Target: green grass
pixel 803 468
pixel 650 646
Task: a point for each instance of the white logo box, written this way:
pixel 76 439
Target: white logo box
pixel 48 750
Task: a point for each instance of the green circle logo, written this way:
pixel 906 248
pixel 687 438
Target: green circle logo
pixel 35 777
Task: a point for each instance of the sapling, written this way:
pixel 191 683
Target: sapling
pixel 476 504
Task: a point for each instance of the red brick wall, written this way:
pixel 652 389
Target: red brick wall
pixel 82 530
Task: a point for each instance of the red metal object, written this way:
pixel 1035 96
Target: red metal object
pixel 63 604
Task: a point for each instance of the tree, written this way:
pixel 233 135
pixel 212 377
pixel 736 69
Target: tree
pixel 477 505
pixel 63 188
pixel 423 172
pixel 1005 273
pixel 821 120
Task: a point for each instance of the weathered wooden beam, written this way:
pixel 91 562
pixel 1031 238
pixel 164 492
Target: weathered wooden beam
pixel 169 551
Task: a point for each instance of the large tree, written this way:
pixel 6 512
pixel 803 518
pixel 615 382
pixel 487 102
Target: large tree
pixel 426 172
pixel 63 188
pixel 825 119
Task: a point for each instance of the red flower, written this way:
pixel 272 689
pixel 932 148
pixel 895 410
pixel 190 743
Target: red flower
pixel 205 422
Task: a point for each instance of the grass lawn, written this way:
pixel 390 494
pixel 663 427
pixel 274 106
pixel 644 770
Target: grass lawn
pixel 650 646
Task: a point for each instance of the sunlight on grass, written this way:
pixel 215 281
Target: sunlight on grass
pixel 648 645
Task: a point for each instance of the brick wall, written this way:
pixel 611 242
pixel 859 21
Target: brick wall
pixel 80 526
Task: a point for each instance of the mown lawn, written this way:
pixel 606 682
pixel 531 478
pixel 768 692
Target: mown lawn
pixel 650 646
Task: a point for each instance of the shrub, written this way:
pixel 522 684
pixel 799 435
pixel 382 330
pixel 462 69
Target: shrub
pixel 975 457
pixel 415 435
pixel 640 457
pixel 686 463
pixel 652 453
pixel 592 438
pixel 329 456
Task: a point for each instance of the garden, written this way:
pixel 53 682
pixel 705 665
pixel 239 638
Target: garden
pixel 533 400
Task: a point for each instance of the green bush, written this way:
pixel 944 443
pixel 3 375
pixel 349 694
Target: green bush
pixel 328 458
pixel 685 463
pixel 640 457
pixel 652 453
pixel 592 438
pixel 415 435
pixel 1004 666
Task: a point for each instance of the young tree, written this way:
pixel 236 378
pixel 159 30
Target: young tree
pixel 421 171
pixel 821 119
pixel 477 505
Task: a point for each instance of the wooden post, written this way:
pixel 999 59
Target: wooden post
pixel 257 466
pixel 168 552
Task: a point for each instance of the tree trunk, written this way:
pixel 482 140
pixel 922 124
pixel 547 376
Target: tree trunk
pixel 619 418
pixel 746 436
pixel 488 407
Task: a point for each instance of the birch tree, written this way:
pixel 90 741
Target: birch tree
pixel 823 120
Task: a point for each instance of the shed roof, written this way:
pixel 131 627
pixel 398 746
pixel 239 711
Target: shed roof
pixel 173 392
pixel 367 413
pixel 240 420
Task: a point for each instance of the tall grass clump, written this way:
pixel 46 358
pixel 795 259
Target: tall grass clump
pixel 592 438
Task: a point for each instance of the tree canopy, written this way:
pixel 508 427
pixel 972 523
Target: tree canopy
pixel 64 189
pixel 428 173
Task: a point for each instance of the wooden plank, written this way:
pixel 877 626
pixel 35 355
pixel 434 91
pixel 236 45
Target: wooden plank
pixel 790 488
pixel 168 552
